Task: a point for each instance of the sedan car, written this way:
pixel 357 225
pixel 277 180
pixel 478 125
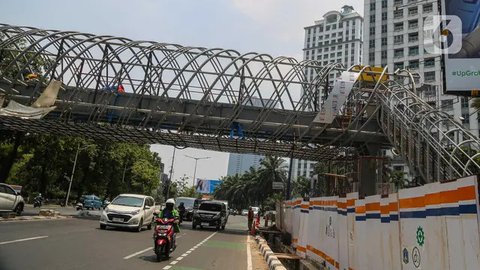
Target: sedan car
pixel 244 212
pixel 129 211
pixel 10 200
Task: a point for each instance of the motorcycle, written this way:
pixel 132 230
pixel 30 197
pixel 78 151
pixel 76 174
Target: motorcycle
pixel 37 202
pixel 164 238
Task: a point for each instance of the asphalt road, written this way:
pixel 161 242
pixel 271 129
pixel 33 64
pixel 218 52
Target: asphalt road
pixel 79 244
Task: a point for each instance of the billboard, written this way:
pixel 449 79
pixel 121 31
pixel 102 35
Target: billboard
pixel 206 186
pixel 461 45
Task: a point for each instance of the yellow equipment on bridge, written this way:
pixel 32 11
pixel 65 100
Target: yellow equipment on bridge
pixel 370 74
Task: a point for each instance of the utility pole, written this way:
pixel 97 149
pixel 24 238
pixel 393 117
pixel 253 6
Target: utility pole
pixel 195 170
pixel 289 180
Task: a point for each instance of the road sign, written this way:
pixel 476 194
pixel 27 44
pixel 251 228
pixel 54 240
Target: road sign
pixel 277 185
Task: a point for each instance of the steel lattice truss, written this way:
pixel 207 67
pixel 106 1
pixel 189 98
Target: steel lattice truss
pixel 222 100
pixel 184 96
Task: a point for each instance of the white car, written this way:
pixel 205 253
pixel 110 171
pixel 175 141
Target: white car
pixel 10 200
pixel 129 211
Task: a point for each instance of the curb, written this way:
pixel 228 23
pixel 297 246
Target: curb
pixel 31 218
pixel 86 214
pixel 273 262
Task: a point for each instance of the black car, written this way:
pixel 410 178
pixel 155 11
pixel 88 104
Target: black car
pixel 210 214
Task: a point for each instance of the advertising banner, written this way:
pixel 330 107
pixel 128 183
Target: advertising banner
pixel 341 89
pixel 461 44
pixel 204 186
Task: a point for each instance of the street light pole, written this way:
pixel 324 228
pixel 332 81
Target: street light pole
pixel 195 170
pixel 71 176
pixel 73 170
pixel 171 173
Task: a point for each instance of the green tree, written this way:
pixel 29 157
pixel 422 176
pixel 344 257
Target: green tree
pixel 301 187
pixel 17 61
pixel 398 179
pixel 103 168
pixel 190 192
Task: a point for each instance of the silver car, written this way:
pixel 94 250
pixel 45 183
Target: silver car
pixel 10 200
pixel 129 211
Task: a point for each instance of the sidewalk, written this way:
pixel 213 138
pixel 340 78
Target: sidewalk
pixel 52 212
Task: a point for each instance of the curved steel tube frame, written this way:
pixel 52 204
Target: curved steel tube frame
pixel 436 146
pixel 167 81
pixel 208 91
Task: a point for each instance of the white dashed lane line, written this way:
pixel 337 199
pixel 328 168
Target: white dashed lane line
pixel 144 250
pixel 23 240
pixel 188 252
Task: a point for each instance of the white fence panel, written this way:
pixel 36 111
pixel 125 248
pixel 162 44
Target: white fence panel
pixel 435 226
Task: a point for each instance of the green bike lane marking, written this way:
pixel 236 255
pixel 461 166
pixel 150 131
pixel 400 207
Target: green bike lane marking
pixel 224 244
pixel 231 245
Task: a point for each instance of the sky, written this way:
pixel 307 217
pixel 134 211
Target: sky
pixel 274 27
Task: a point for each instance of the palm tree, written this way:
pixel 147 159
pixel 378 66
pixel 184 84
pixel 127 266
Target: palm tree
pixel 273 169
pixel 255 185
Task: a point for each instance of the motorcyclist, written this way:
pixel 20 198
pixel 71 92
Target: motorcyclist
pixel 170 212
pixel 37 201
pixel 181 210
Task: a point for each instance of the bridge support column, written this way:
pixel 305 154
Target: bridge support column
pixel 289 180
pixel 371 171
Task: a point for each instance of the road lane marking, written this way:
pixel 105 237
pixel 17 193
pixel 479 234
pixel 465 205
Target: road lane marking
pixel 137 253
pixel 249 254
pixel 188 252
pixel 143 251
pixel 23 240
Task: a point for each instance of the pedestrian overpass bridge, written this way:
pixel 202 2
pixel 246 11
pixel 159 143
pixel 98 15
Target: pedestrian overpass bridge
pixel 117 89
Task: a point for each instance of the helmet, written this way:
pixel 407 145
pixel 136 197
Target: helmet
pixel 171 200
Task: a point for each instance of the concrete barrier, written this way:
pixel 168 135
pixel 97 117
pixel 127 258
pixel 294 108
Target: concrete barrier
pixel 435 226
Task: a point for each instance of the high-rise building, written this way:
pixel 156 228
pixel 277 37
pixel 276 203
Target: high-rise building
pixel 240 163
pixel 303 168
pixel 336 38
pixel 394 37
